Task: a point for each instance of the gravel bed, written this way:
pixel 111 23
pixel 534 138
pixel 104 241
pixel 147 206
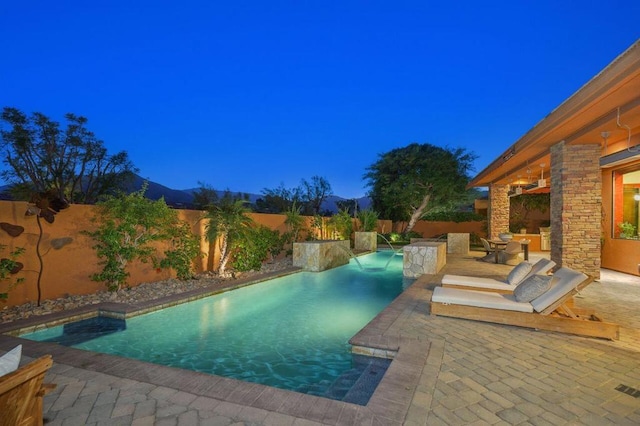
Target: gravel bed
pixel 140 293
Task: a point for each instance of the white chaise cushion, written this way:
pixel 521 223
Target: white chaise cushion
pixel 10 361
pixel 518 273
pixel 479 299
pixel 480 282
pixel 562 282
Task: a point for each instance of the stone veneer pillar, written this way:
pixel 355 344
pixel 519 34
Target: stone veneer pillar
pixel 576 207
pixel 498 210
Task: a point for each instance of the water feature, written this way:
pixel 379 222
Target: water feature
pixel 291 332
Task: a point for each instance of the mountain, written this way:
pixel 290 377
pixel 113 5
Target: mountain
pixel 183 199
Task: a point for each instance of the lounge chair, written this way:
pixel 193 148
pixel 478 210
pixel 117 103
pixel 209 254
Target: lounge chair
pixel 506 286
pixel 548 311
pixel 22 392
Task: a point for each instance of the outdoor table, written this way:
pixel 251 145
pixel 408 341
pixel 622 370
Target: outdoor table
pixel 500 245
pixel 497 245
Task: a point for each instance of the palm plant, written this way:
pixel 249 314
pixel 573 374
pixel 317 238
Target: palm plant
pixel 228 221
pixel 294 222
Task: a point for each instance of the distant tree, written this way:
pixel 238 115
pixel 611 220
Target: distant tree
pixel 41 157
pixel 204 196
pixel 314 193
pixel 351 206
pixel 278 200
pixel 406 183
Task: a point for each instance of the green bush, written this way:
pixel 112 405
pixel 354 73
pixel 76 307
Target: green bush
pixel 8 267
pixel 258 245
pixel 453 216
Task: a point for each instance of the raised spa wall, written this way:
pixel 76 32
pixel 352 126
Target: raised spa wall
pixel 316 256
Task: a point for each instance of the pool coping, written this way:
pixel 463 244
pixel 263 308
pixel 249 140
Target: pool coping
pixel 389 404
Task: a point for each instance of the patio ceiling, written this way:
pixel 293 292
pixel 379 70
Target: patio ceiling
pixel 609 102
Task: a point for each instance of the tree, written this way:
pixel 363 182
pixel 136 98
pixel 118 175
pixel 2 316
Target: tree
pixel 278 200
pixel 128 225
pixel 313 194
pixel 41 157
pixel 406 183
pixel 204 197
pixel 228 221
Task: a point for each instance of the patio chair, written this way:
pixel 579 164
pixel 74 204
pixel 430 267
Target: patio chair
pixel 22 392
pixel 518 274
pixel 487 246
pixel 511 253
pixel 547 311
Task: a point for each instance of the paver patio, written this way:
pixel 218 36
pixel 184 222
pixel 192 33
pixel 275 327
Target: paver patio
pixel 447 371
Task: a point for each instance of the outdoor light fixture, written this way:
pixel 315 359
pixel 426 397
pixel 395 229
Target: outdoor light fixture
pixel 636 197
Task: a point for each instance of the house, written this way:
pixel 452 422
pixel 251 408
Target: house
pixel 586 153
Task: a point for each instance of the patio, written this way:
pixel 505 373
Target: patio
pixel 447 371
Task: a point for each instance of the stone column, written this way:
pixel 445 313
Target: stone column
pixel 498 210
pixel 576 207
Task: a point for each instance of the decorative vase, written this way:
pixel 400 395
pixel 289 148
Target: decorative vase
pixel 505 236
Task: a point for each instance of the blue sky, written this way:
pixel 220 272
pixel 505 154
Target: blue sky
pixel 247 95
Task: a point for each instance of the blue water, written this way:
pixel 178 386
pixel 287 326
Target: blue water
pixel 290 332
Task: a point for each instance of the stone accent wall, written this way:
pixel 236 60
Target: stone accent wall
pixel 576 207
pixel 423 258
pixel 457 243
pixel 498 210
pixel 367 241
pixel 317 256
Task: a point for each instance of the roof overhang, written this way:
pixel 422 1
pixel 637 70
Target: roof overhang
pixel 605 111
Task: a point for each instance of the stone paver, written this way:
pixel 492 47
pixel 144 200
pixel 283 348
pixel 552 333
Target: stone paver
pixel 461 372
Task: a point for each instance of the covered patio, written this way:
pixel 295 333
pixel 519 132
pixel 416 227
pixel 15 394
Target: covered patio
pixel 586 153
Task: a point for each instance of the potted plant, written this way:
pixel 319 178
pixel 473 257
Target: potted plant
pixel 627 230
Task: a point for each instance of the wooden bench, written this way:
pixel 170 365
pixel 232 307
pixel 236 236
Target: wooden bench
pixel 22 393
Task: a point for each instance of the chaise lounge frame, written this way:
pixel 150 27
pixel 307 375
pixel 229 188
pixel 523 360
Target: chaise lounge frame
pixel 558 317
pixel 22 393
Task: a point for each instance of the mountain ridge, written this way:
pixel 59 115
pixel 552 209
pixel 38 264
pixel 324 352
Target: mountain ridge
pixel 183 198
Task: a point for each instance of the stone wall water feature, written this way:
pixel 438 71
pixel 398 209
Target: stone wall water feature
pixel 423 257
pixel 316 256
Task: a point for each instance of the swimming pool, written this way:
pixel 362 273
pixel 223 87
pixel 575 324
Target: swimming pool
pixel 291 332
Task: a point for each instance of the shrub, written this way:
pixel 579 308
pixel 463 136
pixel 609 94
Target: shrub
pixel 8 267
pixel 454 216
pixel 368 220
pixel 255 247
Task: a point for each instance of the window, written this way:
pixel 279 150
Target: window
pixel 626 203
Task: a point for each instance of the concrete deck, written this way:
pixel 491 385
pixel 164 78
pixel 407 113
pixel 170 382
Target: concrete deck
pixel 447 371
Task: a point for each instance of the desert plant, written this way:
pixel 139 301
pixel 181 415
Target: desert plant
pixel 368 220
pixel 228 222
pixel 10 266
pixel 343 224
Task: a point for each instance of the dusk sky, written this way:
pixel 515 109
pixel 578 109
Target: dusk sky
pixel 247 95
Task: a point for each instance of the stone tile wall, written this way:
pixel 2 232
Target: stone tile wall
pixel 316 256
pixel 423 258
pixel 576 207
pixel 498 210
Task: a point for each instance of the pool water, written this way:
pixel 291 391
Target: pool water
pixel 291 332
